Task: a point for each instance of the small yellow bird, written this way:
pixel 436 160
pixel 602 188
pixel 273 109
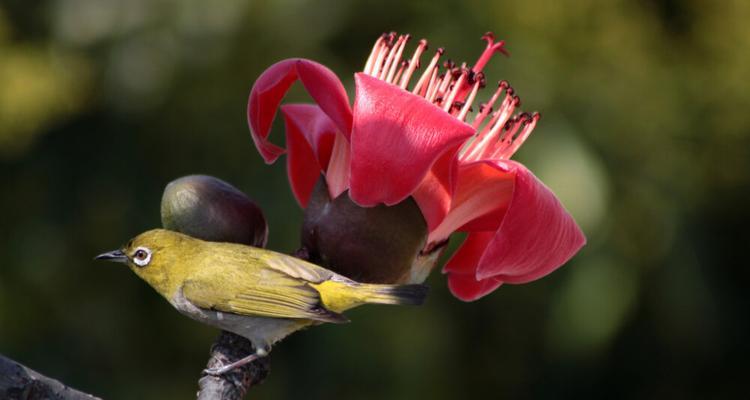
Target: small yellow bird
pixel 256 293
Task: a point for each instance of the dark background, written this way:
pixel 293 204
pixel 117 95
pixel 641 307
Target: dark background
pixel 645 138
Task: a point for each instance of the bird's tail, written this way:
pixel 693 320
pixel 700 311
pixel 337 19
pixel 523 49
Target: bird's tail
pixel 341 296
pixel 412 295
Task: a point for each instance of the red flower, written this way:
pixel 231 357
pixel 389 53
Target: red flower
pixel 398 142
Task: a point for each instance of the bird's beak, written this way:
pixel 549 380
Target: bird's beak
pixel 114 256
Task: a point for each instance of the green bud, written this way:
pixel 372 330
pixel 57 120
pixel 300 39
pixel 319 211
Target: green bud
pixel 374 244
pixel 211 209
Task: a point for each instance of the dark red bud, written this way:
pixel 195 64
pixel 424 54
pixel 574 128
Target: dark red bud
pixel 211 209
pixel 373 244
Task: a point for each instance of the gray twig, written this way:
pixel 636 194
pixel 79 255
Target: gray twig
pixel 20 382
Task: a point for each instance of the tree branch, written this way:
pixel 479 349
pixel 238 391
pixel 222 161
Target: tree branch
pixel 233 385
pixel 22 383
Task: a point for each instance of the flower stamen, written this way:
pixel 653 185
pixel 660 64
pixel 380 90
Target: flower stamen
pixel 454 89
pixel 528 125
pixel 401 69
pixel 374 54
pixel 394 58
pixel 414 63
pixel 486 108
pixel 478 83
pixel 383 71
pixel 448 103
pixel 382 53
pixel 428 72
pixel 492 48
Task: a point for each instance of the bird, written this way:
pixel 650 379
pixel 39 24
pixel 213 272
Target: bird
pixel 256 293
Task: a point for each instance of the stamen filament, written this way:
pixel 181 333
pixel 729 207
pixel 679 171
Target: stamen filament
pixel 428 72
pixel 374 54
pixel 487 107
pixel 414 63
pixel 434 87
pixel 397 59
pixel 448 103
pixel 529 125
pixel 447 79
pixel 469 100
pixel 381 55
pixel 400 71
pixel 390 59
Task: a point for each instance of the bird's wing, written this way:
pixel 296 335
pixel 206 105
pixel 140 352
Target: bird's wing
pixel 300 269
pixel 277 296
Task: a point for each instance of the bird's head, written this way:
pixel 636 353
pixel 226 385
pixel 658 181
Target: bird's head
pixel 156 256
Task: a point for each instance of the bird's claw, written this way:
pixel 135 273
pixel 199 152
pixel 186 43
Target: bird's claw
pixel 217 371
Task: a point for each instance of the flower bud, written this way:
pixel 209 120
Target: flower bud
pixel 368 244
pixel 211 209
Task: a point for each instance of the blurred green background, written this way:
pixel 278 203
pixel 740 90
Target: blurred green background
pixel 645 138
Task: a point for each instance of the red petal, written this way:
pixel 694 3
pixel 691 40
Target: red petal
pixel 467 288
pixel 536 236
pixel 337 174
pixel 396 138
pixel 461 268
pixel 465 260
pixel 482 194
pixel 433 195
pixel 322 85
pixel 309 137
pixel 521 235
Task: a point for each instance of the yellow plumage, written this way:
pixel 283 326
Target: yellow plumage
pixel 256 293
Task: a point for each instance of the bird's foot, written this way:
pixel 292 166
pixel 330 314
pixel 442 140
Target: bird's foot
pixel 217 371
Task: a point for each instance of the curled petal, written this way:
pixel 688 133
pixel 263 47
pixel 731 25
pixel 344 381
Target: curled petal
pixel 396 138
pixel 467 288
pixel 465 260
pixel 523 235
pixel 537 235
pixel 461 268
pixel 322 85
pixel 309 137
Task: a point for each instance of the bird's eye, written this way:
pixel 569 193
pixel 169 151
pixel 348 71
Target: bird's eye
pixel 142 256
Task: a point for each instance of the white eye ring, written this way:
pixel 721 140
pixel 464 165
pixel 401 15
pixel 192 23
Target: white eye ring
pixel 142 256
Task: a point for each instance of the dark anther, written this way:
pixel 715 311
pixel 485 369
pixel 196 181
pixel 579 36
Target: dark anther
pixel 482 82
pixel 391 38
